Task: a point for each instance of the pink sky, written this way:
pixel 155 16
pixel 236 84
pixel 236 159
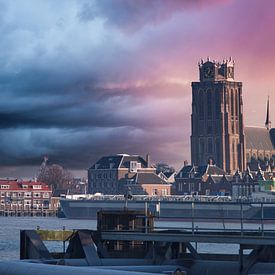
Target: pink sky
pixel 84 79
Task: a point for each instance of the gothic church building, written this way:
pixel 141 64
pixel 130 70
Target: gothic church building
pixel 218 132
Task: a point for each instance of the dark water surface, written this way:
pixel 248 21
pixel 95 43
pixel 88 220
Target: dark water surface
pixel 10 232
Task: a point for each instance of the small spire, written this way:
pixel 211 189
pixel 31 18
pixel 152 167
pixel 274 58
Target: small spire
pixel 267 121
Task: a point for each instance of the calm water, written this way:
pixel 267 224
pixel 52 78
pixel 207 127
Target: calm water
pixel 10 232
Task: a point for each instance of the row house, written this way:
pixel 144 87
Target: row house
pixel 202 180
pixel 24 195
pixel 249 182
pixel 211 180
pixel 148 184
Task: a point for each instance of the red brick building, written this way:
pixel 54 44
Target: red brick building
pixel 24 195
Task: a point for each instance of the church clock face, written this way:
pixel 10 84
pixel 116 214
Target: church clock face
pixel 208 72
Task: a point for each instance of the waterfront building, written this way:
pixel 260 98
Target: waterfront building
pixel 168 176
pixel 148 184
pixel 110 174
pixel 24 195
pixel 217 117
pixel 218 131
pixel 202 180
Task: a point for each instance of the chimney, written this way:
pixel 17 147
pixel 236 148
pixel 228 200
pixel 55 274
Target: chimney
pixel 210 161
pixel 185 163
pixel 148 161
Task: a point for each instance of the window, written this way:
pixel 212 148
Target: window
pixel 37 187
pixel 218 104
pixel 134 166
pixel 155 192
pixel 232 103
pixel 36 195
pixel 236 105
pixel 5 187
pixel 46 195
pixel 164 192
pixel 201 105
pixel 201 147
pixel 209 104
pixel 210 146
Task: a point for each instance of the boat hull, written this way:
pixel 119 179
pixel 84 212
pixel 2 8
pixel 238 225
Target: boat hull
pixel 87 209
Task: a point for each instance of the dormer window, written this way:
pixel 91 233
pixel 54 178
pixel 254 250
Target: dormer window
pixel 134 166
pixel 37 187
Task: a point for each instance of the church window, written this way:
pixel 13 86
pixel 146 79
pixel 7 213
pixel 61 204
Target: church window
pixel 218 151
pixel 236 105
pixel 217 104
pixel 232 103
pixel 209 128
pixel 210 146
pixel 201 106
pixel 209 104
pixel 201 146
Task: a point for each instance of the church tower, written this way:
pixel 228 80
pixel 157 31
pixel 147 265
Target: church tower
pixel 217 117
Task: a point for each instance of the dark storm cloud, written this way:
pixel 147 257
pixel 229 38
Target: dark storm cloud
pixel 130 15
pixel 75 90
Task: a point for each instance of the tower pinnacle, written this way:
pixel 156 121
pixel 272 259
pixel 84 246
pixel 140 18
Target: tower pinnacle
pixel 267 121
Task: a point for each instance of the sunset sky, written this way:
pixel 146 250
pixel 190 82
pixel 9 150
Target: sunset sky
pixel 83 79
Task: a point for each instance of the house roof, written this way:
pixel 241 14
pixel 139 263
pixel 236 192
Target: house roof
pixel 199 171
pixel 168 174
pixel 118 161
pixel 18 185
pixel 260 138
pixel 148 178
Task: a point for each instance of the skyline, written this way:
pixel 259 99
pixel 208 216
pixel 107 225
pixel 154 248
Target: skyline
pixel 82 79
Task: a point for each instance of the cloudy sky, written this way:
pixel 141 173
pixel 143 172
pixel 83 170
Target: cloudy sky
pixel 82 79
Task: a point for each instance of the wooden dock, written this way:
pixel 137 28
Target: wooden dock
pixel 129 240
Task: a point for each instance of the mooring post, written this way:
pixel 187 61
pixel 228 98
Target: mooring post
pixel 241 218
pixel 64 246
pixel 262 218
pixel 240 259
pixel 193 206
pixel 146 216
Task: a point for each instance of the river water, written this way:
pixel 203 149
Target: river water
pixel 10 232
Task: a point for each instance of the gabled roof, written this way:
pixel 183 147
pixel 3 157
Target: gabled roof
pixel 260 138
pixel 118 161
pixel 199 171
pixel 104 162
pixel 168 174
pixel 215 179
pixel 148 178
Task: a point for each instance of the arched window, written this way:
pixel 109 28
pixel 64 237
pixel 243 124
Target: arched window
pixel 209 104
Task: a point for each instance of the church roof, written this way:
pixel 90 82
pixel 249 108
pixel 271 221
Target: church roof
pixel 259 138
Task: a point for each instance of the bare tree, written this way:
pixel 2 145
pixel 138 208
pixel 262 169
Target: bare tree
pixel 56 176
pixel 164 168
